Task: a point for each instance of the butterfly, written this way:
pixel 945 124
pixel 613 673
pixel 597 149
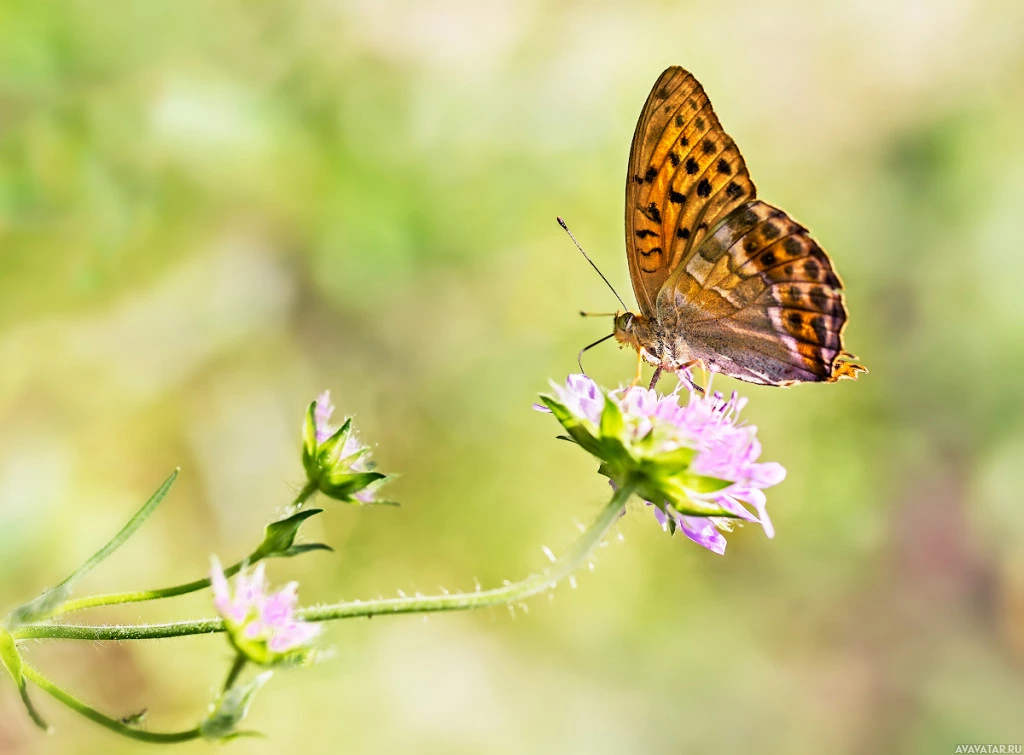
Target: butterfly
pixel 723 280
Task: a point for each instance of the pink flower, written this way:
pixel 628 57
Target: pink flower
pixel 726 450
pixel 261 625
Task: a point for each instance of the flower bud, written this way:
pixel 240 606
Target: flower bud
pixel 335 460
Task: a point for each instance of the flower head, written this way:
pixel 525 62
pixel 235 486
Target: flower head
pixel 696 463
pixel 335 459
pixel 261 626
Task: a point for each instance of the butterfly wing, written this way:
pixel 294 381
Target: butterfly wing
pixel 759 300
pixel 685 175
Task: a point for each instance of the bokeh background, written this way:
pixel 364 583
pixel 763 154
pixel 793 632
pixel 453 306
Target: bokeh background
pixel 210 211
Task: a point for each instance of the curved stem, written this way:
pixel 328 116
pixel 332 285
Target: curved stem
pixel 235 672
pixel 117 598
pixel 510 593
pixel 307 492
pixel 92 714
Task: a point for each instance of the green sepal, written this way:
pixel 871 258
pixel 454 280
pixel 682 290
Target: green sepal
pixel 309 442
pixel 230 709
pixel 11 660
pixel 675 461
pixel 612 424
pixel 279 537
pixel 703 484
pixel 343 486
pixel 574 426
pixel 679 498
pixel 671 523
pixel 327 453
pixel 298 550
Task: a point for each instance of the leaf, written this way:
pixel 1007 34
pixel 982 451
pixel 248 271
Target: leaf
pixel 279 536
pixel 44 605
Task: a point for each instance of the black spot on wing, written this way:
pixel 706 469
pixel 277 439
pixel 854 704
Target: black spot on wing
pixel 704 188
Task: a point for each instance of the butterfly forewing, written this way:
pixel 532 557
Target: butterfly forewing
pixel 685 175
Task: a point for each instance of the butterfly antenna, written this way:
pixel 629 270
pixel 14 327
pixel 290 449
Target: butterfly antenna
pixel 607 283
pixel 579 357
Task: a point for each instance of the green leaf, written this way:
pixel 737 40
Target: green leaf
pixel 309 442
pixel 44 605
pixel 279 536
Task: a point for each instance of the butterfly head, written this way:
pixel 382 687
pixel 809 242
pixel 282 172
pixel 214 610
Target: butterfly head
pixel 633 330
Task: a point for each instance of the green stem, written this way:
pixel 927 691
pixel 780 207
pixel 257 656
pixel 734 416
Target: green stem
pixel 510 593
pixel 307 492
pixel 235 672
pixel 117 598
pixel 92 714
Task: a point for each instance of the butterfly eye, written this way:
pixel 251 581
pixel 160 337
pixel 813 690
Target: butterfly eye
pixel 625 321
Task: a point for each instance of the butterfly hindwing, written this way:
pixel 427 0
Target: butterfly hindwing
pixel 759 300
pixel 685 175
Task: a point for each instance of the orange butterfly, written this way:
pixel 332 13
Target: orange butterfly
pixel 723 280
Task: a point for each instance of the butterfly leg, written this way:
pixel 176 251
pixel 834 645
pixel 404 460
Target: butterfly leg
pixel 639 369
pixel 654 378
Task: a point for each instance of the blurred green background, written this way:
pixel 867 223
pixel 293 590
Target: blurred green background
pixel 210 211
